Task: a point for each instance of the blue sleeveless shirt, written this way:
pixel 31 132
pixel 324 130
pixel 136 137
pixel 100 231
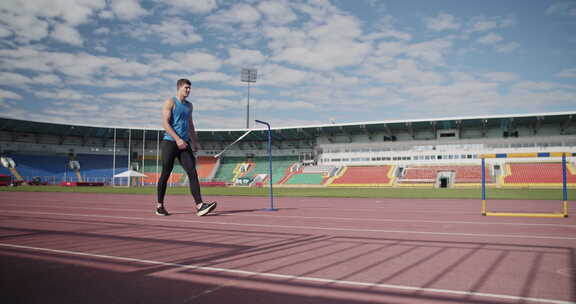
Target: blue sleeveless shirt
pixel 179 120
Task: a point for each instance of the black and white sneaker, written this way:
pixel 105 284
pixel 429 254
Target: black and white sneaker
pixel 162 211
pixel 206 208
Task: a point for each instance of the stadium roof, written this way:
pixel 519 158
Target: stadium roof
pixel 564 119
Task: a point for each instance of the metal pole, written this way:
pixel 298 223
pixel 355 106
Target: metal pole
pixel 248 76
pixel 114 160
pixel 129 151
pixel 248 109
pixel 157 153
pixel 269 164
pixel 483 186
pixel 564 188
pixel 143 153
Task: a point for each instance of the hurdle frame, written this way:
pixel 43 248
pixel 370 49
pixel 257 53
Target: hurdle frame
pixel 564 212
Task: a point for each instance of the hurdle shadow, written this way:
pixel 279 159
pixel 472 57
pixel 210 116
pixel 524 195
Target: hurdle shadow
pixel 419 254
pixel 287 251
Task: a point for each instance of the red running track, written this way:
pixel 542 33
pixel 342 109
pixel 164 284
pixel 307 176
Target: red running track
pixel 103 248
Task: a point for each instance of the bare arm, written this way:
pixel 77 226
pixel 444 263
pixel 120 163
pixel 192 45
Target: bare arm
pixel 166 114
pixel 193 135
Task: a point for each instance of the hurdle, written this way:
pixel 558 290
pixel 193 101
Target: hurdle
pixel 562 214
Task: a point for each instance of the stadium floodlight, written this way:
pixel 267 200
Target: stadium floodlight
pixel 248 76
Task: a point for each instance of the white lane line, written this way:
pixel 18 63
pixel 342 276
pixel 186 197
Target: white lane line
pixel 307 228
pixel 329 218
pixel 363 208
pixel 296 277
pixel 401 221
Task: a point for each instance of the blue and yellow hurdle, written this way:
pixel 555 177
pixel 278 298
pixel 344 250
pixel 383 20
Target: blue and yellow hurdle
pixel 564 212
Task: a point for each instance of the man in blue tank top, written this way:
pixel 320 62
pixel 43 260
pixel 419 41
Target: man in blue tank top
pixel 180 141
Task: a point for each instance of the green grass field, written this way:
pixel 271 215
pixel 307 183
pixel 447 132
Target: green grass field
pixel 524 194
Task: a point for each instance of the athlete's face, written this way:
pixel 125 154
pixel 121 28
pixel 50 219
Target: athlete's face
pixel 184 90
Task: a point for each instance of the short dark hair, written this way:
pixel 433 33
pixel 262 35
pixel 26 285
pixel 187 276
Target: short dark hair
pixel 182 82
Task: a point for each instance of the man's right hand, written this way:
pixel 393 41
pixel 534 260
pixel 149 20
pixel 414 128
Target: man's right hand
pixel 181 144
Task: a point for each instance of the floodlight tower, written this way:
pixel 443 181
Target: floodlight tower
pixel 248 76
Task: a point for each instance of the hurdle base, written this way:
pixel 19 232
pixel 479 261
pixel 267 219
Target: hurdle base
pixel 269 209
pixel 547 215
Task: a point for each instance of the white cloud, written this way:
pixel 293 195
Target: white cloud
pixel 277 12
pixel 567 73
pixel 465 98
pixel 127 9
pixel 47 79
pixel 389 50
pixel 176 31
pixel 210 77
pixel 490 38
pixel 67 34
pixel 111 82
pixel 281 37
pixel 202 92
pixel 283 104
pixel 337 27
pixel 202 104
pixel 332 44
pixel 432 52
pixel 325 55
pixel 136 97
pixel 507 47
pixel 277 75
pixel 485 24
pixel 405 71
pixel 500 76
pixel 238 14
pixel 71 12
pixel 388 33
pixel 25 28
pixel 567 8
pixel 26 58
pixel 195 6
pixel 73 65
pixel 239 57
pixel 30 20
pixel 5 32
pixel 317 10
pixel 64 95
pixel 14 79
pixel 536 86
pixel 5 94
pixel 188 62
pixel 442 22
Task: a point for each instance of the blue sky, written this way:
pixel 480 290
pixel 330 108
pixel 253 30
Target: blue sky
pixel 113 63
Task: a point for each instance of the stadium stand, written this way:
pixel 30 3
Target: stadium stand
pixel 54 169
pixel 225 172
pixel 536 175
pixel 375 176
pixel 306 179
pixel 5 180
pixel 98 168
pixel 49 168
pixel 455 175
pixel 431 153
pixel 310 175
pixel 206 166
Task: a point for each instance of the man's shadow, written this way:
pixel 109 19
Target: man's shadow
pixel 230 212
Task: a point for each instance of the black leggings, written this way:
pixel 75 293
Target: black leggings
pixel 170 152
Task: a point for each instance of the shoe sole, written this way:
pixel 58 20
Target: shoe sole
pixel 207 210
pixel 162 214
